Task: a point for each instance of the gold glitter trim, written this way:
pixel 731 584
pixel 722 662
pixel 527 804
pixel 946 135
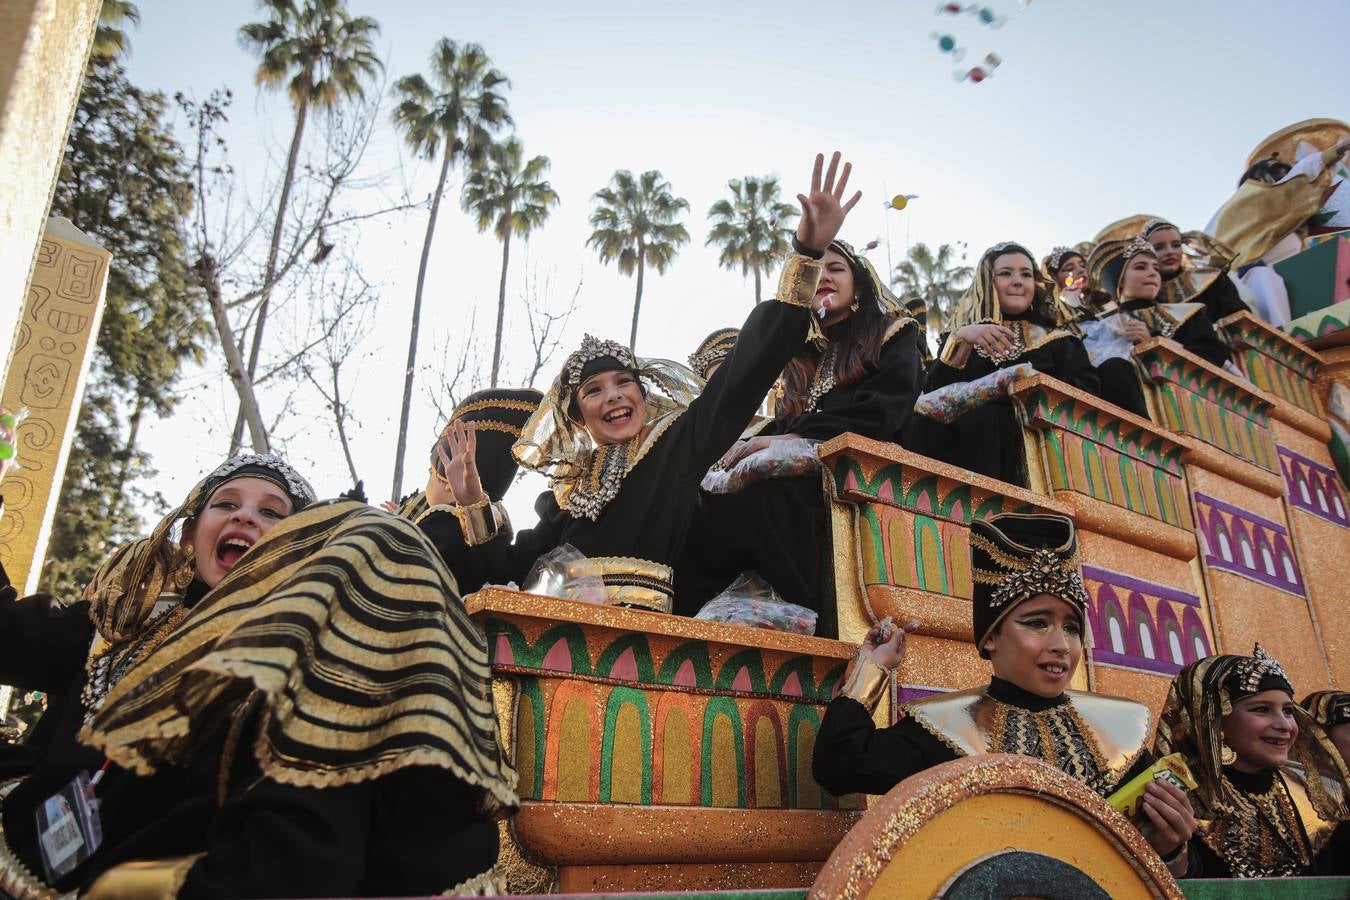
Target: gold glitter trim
pixel 864 854
pixel 797 284
pixel 479 405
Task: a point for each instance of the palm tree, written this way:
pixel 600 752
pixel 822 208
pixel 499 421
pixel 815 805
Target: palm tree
pixel 936 279
pixel 322 56
pixel 509 195
pixel 452 116
pixel 110 38
pixel 751 226
pixel 635 224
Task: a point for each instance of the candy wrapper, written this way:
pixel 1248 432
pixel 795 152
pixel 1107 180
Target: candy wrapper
pixel 558 573
pixel 1171 768
pixel 787 458
pixel 1105 339
pixel 9 438
pixel 947 403
pixel 749 600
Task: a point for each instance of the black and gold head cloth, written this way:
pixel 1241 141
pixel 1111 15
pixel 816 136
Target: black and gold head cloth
pixel 1328 708
pixel 132 579
pixel 980 301
pixel 498 415
pixel 865 276
pixel 1106 263
pixel 554 443
pixel 342 634
pixel 713 349
pixel 1016 556
pixel 1192 723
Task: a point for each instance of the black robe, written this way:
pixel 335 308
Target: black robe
pixel 1196 334
pixel 852 755
pixel 988 439
pixel 780 527
pixel 267 839
pixel 649 516
pixel 1332 859
pixel 1220 298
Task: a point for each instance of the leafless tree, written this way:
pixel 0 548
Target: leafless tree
pixel 454 372
pixel 546 325
pixel 228 238
pixel 344 307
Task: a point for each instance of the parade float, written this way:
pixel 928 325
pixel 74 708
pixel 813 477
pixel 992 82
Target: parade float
pixel 658 753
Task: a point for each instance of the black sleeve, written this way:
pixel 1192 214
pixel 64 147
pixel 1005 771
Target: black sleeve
pixel 881 404
pixel 506 557
pixel 42 643
pixel 1334 858
pixel 1073 366
pixel 283 841
pixel 1197 335
pixel 771 336
pixel 852 755
pixel 1222 299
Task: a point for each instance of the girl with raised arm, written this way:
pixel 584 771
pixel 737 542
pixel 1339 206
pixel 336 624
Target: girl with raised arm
pixel 625 441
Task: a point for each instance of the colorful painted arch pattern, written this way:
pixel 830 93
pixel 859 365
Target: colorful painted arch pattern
pixel 1142 625
pixel 1239 541
pixel 1313 487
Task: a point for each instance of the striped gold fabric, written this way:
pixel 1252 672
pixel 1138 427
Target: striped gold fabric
pixel 345 625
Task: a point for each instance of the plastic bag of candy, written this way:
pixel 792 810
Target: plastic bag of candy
pixel 560 573
pixel 945 404
pixel 1105 339
pixel 783 458
pixel 750 600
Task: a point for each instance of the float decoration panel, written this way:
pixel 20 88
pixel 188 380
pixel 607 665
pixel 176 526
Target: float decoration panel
pixel 1207 403
pixel 1142 625
pixel 1313 487
pixel 914 513
pixel 623 706
pixel 1237 540
pixel 1107 455
pixel 1274 361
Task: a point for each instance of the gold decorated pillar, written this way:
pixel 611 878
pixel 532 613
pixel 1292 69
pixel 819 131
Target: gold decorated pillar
pixel 53 345
pixel 44 45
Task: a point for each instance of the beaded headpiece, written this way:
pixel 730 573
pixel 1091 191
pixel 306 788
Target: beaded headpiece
pixel 1058 256
pixel 1328 708
pixel 1015 557
pixel 1153 225
pixel 270 466
pixel 1260 669
pixel 592 349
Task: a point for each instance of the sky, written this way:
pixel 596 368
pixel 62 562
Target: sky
pixel 1099 110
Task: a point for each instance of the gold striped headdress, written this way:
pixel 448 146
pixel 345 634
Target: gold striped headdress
pixel 342 635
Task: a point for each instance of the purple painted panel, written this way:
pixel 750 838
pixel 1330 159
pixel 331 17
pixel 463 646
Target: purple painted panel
pixel 1249 532
pixel 1302 479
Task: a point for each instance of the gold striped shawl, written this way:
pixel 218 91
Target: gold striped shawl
pixel 345 627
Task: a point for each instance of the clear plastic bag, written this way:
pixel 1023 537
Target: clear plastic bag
pixel 947 403
pixel 751 601
pixel 559 573
pixel 1105 339
pixel 783 458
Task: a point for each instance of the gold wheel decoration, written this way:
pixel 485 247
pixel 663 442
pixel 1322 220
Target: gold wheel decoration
pixel 993 819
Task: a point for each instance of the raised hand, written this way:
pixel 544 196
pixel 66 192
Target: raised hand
pixel 461 484
pixel 824 209
pixel 890 652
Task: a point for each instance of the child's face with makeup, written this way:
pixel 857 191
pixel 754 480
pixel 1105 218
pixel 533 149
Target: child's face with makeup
pixel 1038 644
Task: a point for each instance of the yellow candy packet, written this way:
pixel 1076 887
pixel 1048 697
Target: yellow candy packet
pixel 1171 768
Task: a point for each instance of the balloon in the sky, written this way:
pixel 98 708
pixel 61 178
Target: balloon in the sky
pixel 947 44
pixel 899 201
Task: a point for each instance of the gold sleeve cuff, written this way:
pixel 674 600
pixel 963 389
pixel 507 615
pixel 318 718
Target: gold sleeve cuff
pixel 797 284
pixel 955 353
pixel 144 879
pixel 866 682
pixel 480 522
